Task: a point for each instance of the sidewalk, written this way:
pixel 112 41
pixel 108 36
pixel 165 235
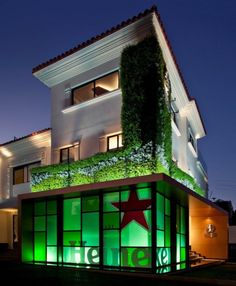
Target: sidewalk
pixel 12 272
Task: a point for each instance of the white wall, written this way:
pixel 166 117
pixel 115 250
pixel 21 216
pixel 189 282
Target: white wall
pixel 84 125
pixel 22 152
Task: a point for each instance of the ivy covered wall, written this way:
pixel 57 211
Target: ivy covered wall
pixel 146 126
pixel 145 116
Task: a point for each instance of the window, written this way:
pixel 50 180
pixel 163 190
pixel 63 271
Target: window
pixel 114 142
pixel 192 140
pixel 96 88
pixel 67 154
pixel 21 174
pixel 174 114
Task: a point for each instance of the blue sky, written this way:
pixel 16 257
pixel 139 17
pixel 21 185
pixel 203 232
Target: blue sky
pixel 202 34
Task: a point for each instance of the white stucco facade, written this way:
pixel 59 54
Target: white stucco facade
pixel 88 123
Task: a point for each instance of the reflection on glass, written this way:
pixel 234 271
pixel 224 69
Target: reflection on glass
pixel 96 88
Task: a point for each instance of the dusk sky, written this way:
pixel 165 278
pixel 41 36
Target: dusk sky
pixel 201 32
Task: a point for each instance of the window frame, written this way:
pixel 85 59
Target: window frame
pixel 68 154
pixel 25 167
pixel 174 112
pixel 192 140
pixel 94 85
pixel 118 141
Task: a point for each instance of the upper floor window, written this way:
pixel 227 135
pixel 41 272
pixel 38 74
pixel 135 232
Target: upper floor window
pixel 192 141
pixel 114 142
pixel 21 174
pixel 67 154
pixel 174 113
pixel 95 88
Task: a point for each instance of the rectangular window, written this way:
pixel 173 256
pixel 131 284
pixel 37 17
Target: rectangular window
pixel 96 88
pixel 114 142
pixel 174 113
pixel 67 154
pixel 22 174
pixel 191 139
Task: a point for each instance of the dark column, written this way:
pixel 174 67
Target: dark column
pixel 101 230
pixel 154 223
pixel 173 234
pixel 187 234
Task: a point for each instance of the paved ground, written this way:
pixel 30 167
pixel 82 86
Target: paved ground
pixel 33 275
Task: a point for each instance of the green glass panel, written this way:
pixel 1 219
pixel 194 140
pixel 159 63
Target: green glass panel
pixel 124 196
pixel 81 255
pixel 51 254
pixel 40 223
pixel 144 194
pixel 164 269
pixel 183 229
pixel 111 220
pixel 90 229
pixel 160 211
pixel 182 254
pixel 72 254
pixel 177 247
pixel 111 250
pixel 134 234
pixel 40 246
pixel 71 214
pixel 108 199
pixel 163 256
pixel 181 266
pixel 51 207
pixel 136 257
pixel 90 204
pixel 160 238
pixel 71 238
pixel 183 241
pixel 40 208
pixel 143 185
pixel 52 230
pixel 167 207
pixel 167 231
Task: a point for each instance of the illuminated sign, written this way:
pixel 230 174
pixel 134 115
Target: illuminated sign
pixel 210 231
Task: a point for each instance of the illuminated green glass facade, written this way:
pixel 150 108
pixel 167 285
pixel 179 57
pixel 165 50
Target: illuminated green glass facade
pixel 131 227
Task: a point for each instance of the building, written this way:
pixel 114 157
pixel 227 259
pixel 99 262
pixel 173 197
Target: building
pixel 17 158
pixel 127 188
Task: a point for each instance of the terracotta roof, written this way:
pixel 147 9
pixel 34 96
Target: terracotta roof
pixel 123 24
pixel 95 39
pixel 27 136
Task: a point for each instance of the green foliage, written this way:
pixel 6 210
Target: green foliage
pixel 146 125
pixel 142 84
pixel 186 180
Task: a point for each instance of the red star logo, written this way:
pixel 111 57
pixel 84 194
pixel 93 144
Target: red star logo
pixel 133 210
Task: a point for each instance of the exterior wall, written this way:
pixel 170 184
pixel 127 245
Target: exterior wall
pixel 22 152
pixel 211 247
pixel 5 191
pixel 185 159
pixel 3 227
pixel 86 124
pixel 92 120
